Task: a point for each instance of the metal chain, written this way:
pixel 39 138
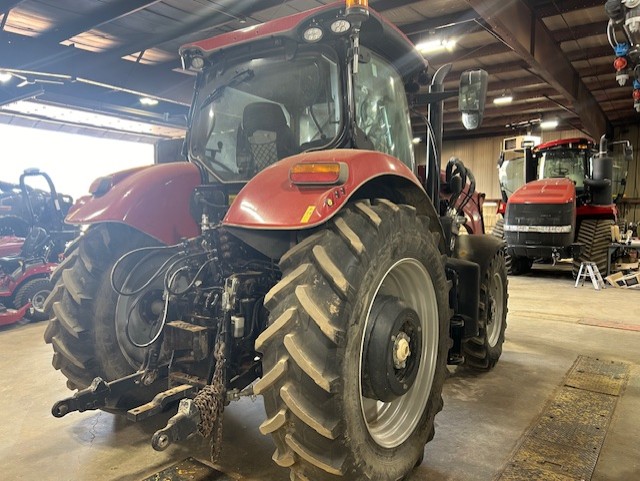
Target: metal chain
pixel 210 403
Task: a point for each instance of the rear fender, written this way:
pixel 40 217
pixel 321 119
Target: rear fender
pixel 270 209
pixel 154 200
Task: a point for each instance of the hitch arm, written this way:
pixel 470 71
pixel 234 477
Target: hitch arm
pixel 181 426
pixel 95 396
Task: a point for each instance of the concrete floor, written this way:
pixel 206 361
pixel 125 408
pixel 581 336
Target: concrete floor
pixel 484 415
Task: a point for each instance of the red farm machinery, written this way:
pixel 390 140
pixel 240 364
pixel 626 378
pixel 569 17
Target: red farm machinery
pixel 558 200
pixel 298 255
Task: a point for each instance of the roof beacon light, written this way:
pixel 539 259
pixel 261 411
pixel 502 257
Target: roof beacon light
pixel 318 173
pixel 357 11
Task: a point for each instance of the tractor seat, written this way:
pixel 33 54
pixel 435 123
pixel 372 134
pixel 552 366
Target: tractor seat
pixel 31 249
pixel 266 135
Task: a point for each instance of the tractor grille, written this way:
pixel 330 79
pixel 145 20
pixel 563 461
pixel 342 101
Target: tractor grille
pixel 540 224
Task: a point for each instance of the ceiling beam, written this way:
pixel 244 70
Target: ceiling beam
pixel 7 5
pixel 590 53
pixel 578 32
pixel 121 74
pixel 531 40
pixel 556 7
pixel 434 23
pixel 225 11
pixel 100 16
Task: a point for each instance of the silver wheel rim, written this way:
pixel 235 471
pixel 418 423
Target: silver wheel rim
pixel 496 310
pixel 391 423
pixel 139 329
pixel 37 300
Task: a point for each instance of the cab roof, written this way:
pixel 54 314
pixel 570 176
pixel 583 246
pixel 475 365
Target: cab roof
pixel 376 33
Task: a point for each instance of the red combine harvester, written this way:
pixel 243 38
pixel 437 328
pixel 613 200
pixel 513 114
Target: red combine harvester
pixel 297 255
pixel 558 201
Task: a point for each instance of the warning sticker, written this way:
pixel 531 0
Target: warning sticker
pixel 308 213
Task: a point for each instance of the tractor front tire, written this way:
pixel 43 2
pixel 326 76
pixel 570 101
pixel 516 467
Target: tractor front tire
pixel 483 351
pixel 498 231
pixel 356 347
pixel 35 291
pixel 85 329
pixel 595 237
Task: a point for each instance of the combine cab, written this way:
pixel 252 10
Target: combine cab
pixel 558 201
pixel 297 256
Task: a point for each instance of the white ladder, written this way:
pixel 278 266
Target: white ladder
pixel 590 269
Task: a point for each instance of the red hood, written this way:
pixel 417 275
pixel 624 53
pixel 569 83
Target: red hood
pixel 546 191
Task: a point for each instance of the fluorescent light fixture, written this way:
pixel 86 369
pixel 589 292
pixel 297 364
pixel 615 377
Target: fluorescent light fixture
pixel 148 101
pixel 416 140
pixel 548 124
pixel 505 99
pixel 5 76
pixel 89 119
pixel 431 46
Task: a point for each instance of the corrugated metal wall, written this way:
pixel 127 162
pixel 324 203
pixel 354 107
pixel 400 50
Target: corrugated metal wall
pixel 630 208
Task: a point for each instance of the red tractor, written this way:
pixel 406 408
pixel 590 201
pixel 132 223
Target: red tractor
pixel 558 201
pixel 297 256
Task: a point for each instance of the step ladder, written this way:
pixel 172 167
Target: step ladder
pixel 590 269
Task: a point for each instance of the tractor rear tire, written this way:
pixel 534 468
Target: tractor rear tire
pixel 498 231
pixel 34 291
pixel 372 272
pixel 483 351
pixel 83 324
pixel 595 237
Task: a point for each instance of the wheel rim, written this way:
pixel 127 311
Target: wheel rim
pixel 138 317
pixel 37 300
pixel 496 310
pixel 391 423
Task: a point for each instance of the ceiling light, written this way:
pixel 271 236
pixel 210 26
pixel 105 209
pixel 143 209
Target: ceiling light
pixel 549 124
pixel 505 99
pixel 5 77
pixel 148 101
pixel 416 140
pixel 431 46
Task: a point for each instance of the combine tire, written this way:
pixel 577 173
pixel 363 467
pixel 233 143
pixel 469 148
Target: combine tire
pixel 498 231
pixel 88 319
pixel 482 352
pixel 356 348
pixel 595 237
pixel 34 291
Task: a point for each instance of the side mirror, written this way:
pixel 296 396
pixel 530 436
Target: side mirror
pixel 472 97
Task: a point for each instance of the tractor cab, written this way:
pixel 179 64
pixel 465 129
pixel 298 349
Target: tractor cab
pixel 296 91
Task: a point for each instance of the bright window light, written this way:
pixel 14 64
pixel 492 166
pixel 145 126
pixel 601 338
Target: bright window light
pixel 431 46
pixel 71 169
pixel 5 77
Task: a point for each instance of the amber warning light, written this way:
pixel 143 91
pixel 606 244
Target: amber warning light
pixel 329 173
pixel 358 4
